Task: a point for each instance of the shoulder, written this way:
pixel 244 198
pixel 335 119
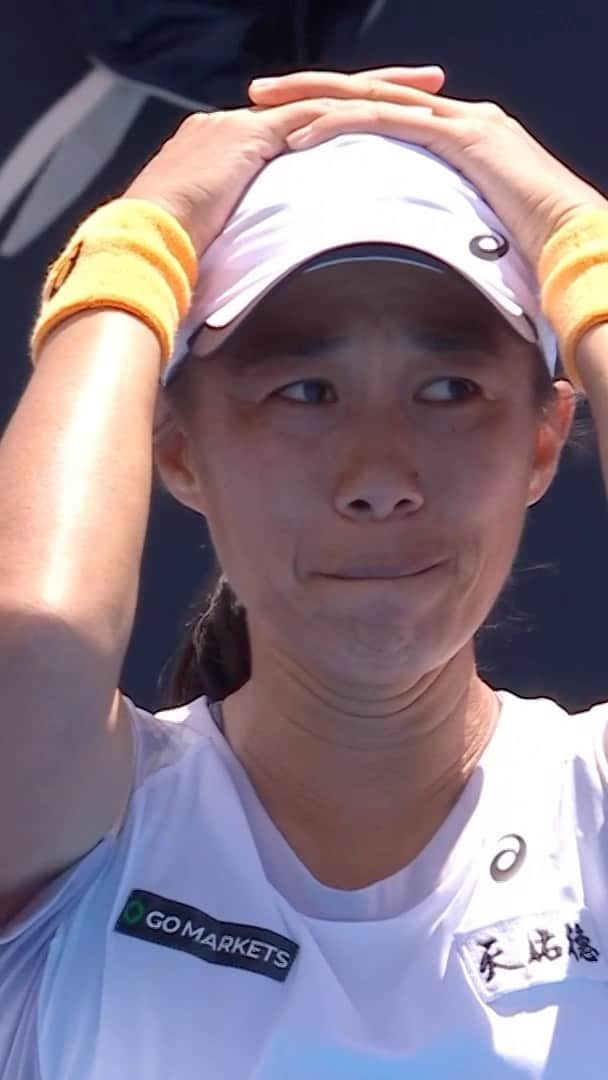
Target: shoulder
pixel 167 738
pixel 578 737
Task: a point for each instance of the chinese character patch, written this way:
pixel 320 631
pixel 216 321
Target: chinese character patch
pixel 530 950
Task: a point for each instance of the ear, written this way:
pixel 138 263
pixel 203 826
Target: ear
pixel 172 454
pixel 552 434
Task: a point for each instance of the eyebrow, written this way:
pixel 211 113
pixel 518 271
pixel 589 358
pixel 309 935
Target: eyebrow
pixel 250 353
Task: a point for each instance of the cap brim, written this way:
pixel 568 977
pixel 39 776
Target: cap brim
pixel 207 340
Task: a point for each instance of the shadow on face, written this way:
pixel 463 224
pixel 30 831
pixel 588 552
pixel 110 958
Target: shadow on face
pixel 375 291
pixel 387 295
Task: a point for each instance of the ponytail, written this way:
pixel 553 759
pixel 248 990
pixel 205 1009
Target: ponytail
pixel 214 657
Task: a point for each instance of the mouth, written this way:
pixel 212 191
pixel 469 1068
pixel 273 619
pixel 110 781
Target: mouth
pixel 394 572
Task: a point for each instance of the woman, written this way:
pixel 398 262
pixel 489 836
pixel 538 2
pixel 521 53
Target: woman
pixel 345 854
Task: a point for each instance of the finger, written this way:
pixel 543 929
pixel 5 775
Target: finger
pixel 430 78
pixel 345 90
pixel 366 88
pixel 417 124
pixel 282 120
pixel 301 84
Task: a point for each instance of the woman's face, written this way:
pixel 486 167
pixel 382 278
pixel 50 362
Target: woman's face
pixel 364 449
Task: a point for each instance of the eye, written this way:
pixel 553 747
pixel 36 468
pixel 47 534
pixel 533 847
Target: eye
pixel 449 389
pixel 308 392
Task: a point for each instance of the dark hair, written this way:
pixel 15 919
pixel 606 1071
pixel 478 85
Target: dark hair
pixel 214 656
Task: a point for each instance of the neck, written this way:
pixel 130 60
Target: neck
pixel 359 782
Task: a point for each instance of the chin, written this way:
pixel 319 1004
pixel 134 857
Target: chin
pixel 364 669
pixel 375 651
pixel 385 634
pixel 386 618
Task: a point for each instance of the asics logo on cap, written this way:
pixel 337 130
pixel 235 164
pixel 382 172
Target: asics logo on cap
pixel 489 246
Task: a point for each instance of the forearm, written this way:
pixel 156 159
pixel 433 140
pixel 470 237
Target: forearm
pixel 75 478
pixel 592 364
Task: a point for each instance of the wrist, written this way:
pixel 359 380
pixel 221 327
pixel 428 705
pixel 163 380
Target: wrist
pixel 573 275
pixel 592 356
pixel 131 256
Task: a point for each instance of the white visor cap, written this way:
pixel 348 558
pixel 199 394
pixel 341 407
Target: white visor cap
pixel 358 189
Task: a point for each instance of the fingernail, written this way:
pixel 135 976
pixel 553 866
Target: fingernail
pixel 263 84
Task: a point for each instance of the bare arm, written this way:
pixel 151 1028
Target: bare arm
pixel 75 476
pixel 75 484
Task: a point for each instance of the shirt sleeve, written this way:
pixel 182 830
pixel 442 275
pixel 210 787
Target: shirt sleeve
pixel 24 946
pixel 600 716
pixel 590 776
pixel 25 943
pixel 27 940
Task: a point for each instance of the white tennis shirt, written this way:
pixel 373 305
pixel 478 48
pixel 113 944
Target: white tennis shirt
pixel 194 945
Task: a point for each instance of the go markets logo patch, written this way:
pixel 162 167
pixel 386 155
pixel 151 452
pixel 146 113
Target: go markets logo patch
pixel 178 926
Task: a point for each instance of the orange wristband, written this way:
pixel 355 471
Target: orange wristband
pixel 573 274
pixel 128 254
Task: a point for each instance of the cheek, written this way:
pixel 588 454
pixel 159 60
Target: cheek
pixel 262 481
pixel 259 500
pixel 485 471
pixel 488 511
pixel 477 490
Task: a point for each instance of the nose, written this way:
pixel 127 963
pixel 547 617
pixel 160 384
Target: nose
pixel 378 484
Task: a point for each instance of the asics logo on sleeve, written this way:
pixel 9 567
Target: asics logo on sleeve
pixel 161 921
